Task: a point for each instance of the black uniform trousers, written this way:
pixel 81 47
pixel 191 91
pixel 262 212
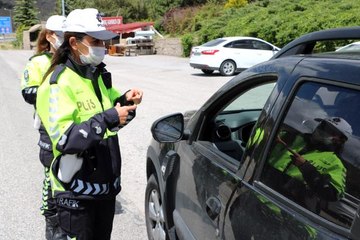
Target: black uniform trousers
pixel 86 219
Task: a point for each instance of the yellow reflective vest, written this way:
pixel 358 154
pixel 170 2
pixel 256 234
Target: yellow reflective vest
pixel 76 106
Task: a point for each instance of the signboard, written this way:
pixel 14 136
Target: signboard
pixel 112 21
pixel 5 25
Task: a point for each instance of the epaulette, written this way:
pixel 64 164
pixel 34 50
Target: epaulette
pixel 58 70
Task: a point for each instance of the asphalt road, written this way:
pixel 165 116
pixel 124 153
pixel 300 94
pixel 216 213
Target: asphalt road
pixel 169 85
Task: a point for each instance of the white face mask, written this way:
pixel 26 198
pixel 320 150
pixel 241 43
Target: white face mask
pixel 94 57
pixel 58 42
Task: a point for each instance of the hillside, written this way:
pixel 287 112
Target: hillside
pixel 276 21
pixel 46 7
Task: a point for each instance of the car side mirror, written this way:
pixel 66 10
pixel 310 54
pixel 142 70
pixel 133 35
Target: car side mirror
pixel 168 129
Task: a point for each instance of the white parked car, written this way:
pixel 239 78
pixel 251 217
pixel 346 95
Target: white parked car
pixel 231 54
pixel 352 47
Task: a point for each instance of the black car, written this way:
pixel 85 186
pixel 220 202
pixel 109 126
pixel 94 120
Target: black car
pixel 273 154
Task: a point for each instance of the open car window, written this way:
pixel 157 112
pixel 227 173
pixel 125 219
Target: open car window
pixel 229 128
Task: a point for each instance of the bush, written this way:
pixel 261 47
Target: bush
pixel 276 21
pixel 18 43
pixel 187 44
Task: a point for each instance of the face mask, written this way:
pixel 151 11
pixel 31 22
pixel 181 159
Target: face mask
pixel 58 42
pixel 95 57
pixel 327 141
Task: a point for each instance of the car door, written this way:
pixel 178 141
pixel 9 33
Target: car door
pixel 281 199
pixel 264 51
pixel 208 165
pixel 241 51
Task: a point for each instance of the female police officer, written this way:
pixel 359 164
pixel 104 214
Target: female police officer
pixel 82 112
pixel 50 38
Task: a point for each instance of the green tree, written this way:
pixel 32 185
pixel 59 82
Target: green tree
pixel 25 13
pixel 236 3
pixel 70 5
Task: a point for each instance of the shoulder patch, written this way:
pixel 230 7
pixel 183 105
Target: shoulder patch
pixel 54 76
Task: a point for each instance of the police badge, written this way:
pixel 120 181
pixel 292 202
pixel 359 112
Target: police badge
pixel 26 75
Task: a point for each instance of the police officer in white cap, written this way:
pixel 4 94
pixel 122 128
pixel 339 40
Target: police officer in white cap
pixel 49 39
pixel 82 113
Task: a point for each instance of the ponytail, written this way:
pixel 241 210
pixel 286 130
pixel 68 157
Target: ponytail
pixel 42 44
pixel 63 52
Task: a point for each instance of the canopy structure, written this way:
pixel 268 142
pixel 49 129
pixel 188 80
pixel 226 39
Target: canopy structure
pixel 129 27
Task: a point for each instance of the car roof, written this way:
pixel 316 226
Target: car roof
pixel 305 44
pixel 337 69
pixel 241 38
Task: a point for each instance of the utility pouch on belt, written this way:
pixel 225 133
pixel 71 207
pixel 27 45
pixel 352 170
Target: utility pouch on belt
pixel 69 165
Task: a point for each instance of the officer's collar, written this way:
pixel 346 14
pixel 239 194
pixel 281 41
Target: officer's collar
pixel 85 71
pixel 46 53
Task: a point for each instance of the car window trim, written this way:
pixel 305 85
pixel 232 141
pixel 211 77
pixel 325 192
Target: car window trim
pixel 283 202
pixel 246 84
pixel 208 150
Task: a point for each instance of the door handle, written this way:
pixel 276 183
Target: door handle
pixel 213 207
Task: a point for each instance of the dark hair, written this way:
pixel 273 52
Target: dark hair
pixel 42 44
pixel 63 52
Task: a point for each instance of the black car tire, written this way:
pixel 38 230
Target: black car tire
pixel 228 68
pixel 207 71
pixel 154 213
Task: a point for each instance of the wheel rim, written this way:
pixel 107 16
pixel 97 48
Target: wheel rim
pixel 228 68
pixel 156 217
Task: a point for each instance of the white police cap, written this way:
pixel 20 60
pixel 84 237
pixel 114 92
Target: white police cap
pixel 55 23
pixel 87 21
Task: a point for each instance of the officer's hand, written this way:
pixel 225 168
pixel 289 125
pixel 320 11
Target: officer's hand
pixel 297 159
pixel 134 95
pixel 123 112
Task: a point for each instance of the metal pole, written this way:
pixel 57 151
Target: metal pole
pixel 63 7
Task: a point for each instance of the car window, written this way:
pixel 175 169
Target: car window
pixel 214 42
pixel 242 44
pixel 230 127
pixel 314 158
pixel 261 45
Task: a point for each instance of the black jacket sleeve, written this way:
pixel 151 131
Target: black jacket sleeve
pixel 319 183
pixel 80 137
pixel 29 94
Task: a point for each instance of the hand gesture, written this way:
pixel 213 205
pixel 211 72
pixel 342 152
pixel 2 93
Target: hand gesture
pixel 297 159
pixel 123 112
pixel 134 95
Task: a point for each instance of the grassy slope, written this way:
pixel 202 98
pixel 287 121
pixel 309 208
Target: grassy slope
pixel 277 21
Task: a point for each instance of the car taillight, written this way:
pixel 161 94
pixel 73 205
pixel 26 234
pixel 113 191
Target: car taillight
pixel 209 52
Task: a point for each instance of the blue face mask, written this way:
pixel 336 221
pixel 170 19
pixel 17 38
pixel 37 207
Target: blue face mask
pixel 94 57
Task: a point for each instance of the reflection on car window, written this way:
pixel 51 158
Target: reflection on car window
pixel 314 158
pixel 261 46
